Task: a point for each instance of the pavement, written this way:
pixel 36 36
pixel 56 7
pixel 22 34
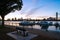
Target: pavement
pixel 48 34
pixel 19 37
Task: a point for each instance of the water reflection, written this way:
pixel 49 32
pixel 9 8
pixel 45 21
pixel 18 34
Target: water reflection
pixel 11 23
pixel 51 27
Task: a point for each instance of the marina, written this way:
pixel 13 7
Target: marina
pixel 34 26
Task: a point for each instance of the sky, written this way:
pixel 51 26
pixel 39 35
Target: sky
pixel 37 9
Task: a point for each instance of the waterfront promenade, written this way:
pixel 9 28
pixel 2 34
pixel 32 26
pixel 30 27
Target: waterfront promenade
pixel 48 35
pixel 44 35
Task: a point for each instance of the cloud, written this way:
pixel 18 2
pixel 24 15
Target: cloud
pixel 33 10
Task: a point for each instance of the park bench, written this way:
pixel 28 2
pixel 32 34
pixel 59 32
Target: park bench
pixel 22 31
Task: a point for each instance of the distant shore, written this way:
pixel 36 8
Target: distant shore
pixel 31 20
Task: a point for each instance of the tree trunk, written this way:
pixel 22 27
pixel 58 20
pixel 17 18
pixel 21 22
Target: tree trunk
pixel 3 21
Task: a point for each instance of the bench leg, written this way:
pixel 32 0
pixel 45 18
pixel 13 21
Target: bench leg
pixel 17 31
pixel 24 33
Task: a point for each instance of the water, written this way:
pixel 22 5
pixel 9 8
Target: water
pixel 12 23
pixel 16 23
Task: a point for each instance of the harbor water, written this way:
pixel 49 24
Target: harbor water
pixel 16 23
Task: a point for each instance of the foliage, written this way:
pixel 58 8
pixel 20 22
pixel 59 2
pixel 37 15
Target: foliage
pixel 6 6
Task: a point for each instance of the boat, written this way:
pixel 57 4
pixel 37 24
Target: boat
pixel 44 25
pixel 56 25
pixel 26 23
pixel 50 23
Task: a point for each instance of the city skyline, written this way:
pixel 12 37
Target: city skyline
pixel 37 8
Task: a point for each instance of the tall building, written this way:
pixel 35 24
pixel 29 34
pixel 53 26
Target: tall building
pixel 56 15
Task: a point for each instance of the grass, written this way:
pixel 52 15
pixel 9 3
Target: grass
pixel 1 27
pixel 3 31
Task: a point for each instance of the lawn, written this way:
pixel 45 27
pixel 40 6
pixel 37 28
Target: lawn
pixel 3 31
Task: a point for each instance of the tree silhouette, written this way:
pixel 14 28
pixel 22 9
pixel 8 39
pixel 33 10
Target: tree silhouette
pixel 7 6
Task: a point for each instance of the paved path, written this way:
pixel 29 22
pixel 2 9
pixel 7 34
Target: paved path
pixel 50 34
pixel 20 37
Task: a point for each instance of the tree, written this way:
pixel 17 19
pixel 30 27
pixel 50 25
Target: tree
pixel 15 18
pixel 7 6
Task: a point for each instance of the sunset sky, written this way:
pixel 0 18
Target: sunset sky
pixel 37 9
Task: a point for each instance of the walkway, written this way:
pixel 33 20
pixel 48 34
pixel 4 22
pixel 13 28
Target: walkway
pixel 47 34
